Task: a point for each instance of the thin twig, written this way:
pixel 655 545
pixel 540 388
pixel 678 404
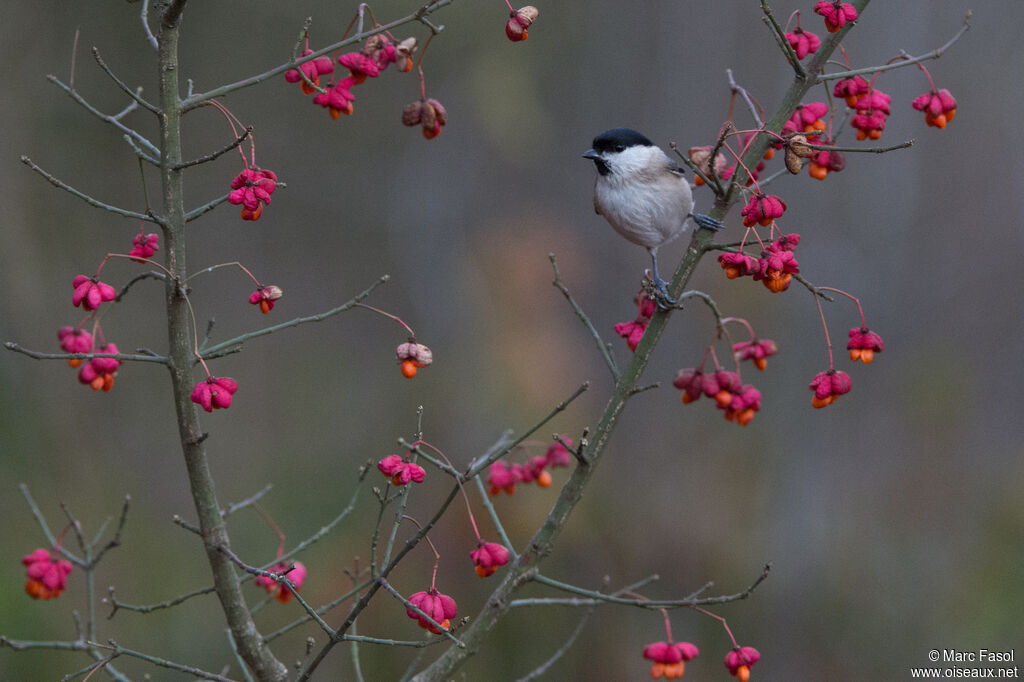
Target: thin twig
pixel 546 601
pixel 364 600
pixel 41 520
pixel 131 93
pixel 783 41
pixel 349 508
pixel 139 151
pixel 651 604
pixel 430 458
pixel 146 608
pixel 161 662
pixel 482 464
pixel 85 197
pixel 205 208
pixel 813 289
pixel 232 508
pixel 310 611
pixel 862 150
pixel 116 540
pixel 144 15
pixel 417 644
pixel 114 120
pixel 736 88
pixel 493 513
pixel 540 670
pixel 605 348
pixel 152 274
pixel 123 357
pixel 320 610
pixel 213 351
pixel 909 61
pixel 219 152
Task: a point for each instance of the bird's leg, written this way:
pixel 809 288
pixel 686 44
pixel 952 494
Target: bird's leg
pixel 663 299
pixel 706 221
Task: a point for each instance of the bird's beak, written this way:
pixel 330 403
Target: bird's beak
pixel 591 154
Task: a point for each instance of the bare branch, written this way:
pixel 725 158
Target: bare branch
pixel 144 16
pixel 212 351
pixel 114 120
pixel 780 37
pixel 123 357
pixel 85 197
pixel 906 61
pixel 214 155
pixel 602 346
pixel 112 600
pixel 134 94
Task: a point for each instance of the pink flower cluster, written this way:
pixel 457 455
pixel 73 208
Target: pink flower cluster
pixel 803 42
pixel 144 246
pixel 739 401
pixel 99 373
pixel 740 660
pixel 428 113
pixel 252 189
pixel 440 607
pixel 806 118
pixel 90 293
pixel 863 345
pixel 825 161
pixel 400 471
pixel 836 13
pixel 266 297
pixel 46 575
pixel 488 557
pixel 412 357
pixel 758 350
pixel 75 340
pixel 872 106
pixel 312 70
pixel 634 331
pixel 669 658
pixel 939 107
pixel 214 393
pixel 377 53
pixel 763 209
pixel 504 477
pixel 296 575
pixel 872 109
pixel 775 268
pixel 851 89
pixel 828 386
pixel 519 21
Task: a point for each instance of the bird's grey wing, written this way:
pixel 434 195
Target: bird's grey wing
pixel 676 169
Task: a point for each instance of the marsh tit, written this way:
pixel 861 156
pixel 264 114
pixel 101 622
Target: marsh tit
pixel 642 194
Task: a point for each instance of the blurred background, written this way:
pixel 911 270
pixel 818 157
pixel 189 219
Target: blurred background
pixel 893 519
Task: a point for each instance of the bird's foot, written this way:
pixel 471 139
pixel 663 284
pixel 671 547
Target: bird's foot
pixel 657 289
pixel 707 222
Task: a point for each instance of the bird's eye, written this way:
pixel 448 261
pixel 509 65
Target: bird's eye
pixel 620 147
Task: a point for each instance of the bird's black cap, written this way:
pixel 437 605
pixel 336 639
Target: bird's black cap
pixel 617 139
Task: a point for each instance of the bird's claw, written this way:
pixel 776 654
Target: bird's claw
pixel 657 289
pixel 707 222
